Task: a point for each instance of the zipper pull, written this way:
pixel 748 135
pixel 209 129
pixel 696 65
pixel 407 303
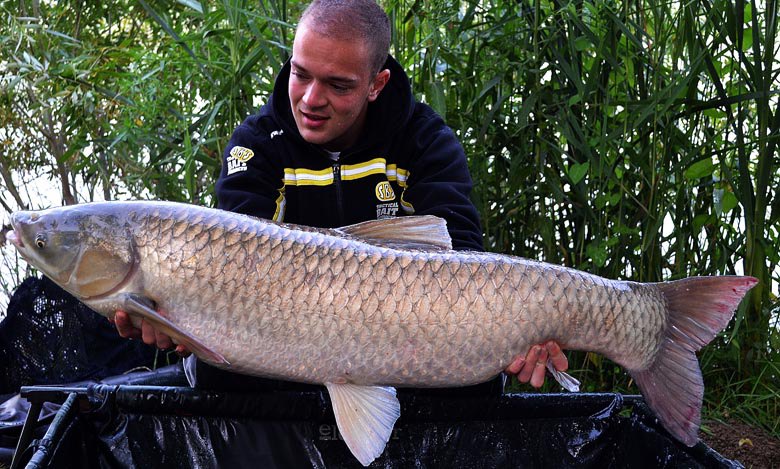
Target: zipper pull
pixel 337 186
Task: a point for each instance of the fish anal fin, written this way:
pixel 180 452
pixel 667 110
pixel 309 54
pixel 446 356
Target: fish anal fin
pixel 426 232
pixel 365 416
pixel 569 382
pixel 144 307
pixel 698 308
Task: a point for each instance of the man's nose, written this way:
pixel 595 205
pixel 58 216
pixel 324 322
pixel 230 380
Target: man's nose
pixel 315 95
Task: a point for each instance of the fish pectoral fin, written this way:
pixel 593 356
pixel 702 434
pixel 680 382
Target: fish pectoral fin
pixel 365 416
pixel 427 232
pixel 144 307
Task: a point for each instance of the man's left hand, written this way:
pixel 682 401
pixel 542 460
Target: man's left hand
pixel 531 368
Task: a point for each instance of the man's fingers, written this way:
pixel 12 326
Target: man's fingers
pixel 516 365
pixel 152 336
pixel 540 367
pixel 163 341
pixel 148 334
pixel 557 357
pixel 182 351
pixel 124 326
pixel 532 368
pixel 528 367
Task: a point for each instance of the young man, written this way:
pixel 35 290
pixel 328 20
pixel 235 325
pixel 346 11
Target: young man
pixel 342 140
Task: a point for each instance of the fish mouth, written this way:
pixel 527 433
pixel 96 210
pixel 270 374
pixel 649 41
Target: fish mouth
pixel 14 239
pixel 14 235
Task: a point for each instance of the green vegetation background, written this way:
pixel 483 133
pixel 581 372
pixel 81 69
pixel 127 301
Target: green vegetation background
pixel 635 140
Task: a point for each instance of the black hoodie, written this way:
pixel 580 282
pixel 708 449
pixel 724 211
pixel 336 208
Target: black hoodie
pixel 407 161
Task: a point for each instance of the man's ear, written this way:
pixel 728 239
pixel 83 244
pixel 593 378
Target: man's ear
pixel 380 80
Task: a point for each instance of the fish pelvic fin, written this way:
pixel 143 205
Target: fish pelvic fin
pixel 698 308
pixel 365 416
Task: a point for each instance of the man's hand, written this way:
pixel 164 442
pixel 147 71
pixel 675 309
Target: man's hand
pixel 531 368
pixel 147 333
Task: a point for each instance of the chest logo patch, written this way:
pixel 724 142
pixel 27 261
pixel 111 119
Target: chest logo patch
pixel 237 159
pixel 384 191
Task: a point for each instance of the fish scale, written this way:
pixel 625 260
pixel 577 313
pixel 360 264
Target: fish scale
pixel 364 307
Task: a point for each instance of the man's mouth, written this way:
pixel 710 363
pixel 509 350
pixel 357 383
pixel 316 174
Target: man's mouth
pixel 313 117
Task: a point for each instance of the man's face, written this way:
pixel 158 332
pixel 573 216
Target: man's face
pixel 331 84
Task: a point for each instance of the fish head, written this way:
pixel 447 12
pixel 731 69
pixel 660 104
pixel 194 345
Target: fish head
pixel 86 251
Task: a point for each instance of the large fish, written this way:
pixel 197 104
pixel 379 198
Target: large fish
pixel 369 307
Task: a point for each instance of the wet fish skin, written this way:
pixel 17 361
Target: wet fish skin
pixel 354 306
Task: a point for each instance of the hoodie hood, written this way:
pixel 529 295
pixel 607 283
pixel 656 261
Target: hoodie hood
pixel 386 115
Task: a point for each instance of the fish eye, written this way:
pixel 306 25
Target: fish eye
pixel 40 241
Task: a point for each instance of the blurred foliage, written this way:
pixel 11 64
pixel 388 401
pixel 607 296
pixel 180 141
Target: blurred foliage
pixel 634 140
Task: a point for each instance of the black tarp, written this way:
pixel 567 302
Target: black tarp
pixel 151 420
pixel 160 427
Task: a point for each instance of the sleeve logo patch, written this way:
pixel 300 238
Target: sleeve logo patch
pixel 242 154
pixel 384 191
pixel 236 160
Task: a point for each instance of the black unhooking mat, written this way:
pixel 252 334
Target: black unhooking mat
pixel 48 337
pixel 163 427
pixel 134 420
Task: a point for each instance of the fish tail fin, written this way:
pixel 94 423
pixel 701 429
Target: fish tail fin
pixel 698 308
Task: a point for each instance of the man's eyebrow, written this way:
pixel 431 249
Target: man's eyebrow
pixel 331 78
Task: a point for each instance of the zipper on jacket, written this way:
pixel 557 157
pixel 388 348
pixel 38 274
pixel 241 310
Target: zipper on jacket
pixel 337 187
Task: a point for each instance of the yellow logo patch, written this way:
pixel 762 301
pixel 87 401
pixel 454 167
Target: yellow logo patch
pixel 242 154
pixel 384 191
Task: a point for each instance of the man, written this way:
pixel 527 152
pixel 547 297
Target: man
pixel 340 141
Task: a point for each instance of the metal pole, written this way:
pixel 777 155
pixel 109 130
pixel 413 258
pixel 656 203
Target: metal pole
pixel 40 459
pixel 24 439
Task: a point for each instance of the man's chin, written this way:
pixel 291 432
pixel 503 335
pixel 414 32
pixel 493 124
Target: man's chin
pixel 317 137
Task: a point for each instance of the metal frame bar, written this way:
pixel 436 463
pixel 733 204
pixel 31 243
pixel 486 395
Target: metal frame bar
pixel 38 395
pixel 27 430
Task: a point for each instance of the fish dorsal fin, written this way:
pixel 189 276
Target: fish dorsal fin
pixel 365 416
pixel 425 232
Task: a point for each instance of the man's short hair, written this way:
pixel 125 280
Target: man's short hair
pixel 362 20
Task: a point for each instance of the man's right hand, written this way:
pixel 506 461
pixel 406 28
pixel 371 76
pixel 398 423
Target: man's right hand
pixel 147 333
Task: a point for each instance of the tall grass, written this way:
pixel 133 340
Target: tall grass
pixel 633 140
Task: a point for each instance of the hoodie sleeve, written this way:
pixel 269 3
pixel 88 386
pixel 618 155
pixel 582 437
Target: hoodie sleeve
pixel 251 182
pixel 439 182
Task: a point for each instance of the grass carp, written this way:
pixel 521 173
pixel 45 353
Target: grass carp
pixel 369 307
